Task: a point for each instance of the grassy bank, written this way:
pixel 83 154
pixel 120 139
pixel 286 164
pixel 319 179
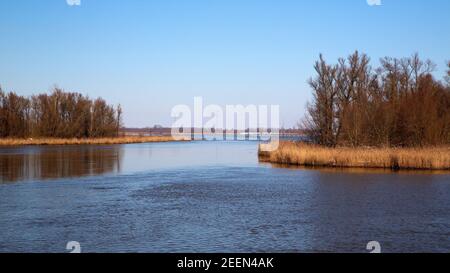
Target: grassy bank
pixel 388 158
pixel 87 141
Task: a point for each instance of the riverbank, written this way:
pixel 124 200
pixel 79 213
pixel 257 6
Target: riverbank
pixel 86 141
pixel 300 154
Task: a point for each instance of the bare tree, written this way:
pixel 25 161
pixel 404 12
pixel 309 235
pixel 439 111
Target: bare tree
pixel 352 80
pixel 321 119
pixel 104 121
pixel 397 104
pixel 61 114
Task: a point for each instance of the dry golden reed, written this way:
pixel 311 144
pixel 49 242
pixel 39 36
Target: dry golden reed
pixel 86 141
pixel 433 158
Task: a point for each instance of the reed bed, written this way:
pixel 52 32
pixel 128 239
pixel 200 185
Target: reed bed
pixel 84 141
pixel 301 154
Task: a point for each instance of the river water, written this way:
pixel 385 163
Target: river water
pixel 210 197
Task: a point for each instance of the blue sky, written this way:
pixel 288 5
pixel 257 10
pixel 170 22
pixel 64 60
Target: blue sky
pixel 150 55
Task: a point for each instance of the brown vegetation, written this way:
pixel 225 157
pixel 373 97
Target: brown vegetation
pixel 59 115
pixel 83 141
pixel 301 154
pixel 399 104
pixel 398 109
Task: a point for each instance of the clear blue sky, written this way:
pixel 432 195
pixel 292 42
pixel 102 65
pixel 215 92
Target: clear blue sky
pixel 150 55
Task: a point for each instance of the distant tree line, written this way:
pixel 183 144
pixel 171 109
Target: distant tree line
pixel 398 104
pixel 59 115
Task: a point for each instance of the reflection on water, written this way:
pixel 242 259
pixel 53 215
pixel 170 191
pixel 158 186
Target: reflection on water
pixel 355 170
pixel 52 162
pixel 211 197
pixel 59 162
pixel 31 163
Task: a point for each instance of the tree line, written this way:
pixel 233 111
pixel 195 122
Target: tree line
pixel 398 104
pixel 58 115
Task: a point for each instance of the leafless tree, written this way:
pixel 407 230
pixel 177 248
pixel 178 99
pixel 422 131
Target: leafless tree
pixel 397 104
pixel 322 113
pixel 61 114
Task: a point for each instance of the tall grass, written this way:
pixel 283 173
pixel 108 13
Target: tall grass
pixel 83 141
pixel 433 158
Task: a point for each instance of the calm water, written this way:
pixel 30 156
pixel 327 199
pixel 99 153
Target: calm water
pixel 210 197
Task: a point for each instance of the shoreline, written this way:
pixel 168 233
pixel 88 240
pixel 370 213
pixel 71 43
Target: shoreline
pixel 10 142
pixel 306 155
